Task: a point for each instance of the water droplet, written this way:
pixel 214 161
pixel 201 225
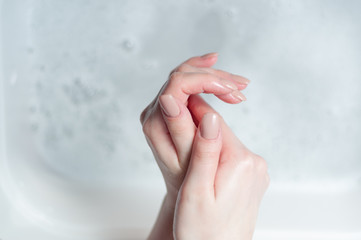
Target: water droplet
pixel 230 13
pixel 128 45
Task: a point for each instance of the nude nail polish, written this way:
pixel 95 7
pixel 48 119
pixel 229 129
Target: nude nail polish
pixel 229 84
pixel 210 126
pixel 240 79
pixel 209 55
pixel 169 105
pixel 239 95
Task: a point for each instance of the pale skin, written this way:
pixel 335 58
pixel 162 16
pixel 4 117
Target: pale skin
pixel 214 183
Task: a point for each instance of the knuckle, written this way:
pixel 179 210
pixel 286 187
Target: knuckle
pixel 178 130
pixel 182 68
pixel 247 161
pixel 262 165
pixel 208 77
pixel 254 163
pixel 204 155
pixel 173 71
pixel 147 112
pixel 175 77
pixel 147 127
pixel 143 116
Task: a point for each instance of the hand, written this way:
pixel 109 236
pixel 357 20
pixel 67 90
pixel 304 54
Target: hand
pixel 224 185
pixel 169 127
pixel 167 123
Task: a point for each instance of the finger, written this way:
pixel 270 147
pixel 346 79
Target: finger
pixel 159 140
pixel 176 115
pixel 181 129
pixel 240 81
pixel 180 126
pixel 206 60
pixel 233 97
pixel 183 84
pixel 231 145
pixel 198 107
pixel 205 156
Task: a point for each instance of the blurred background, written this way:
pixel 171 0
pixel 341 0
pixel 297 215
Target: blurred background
pixel 75 76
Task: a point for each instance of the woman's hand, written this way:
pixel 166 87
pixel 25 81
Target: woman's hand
pixel 167 123
pixel 169 127
pixel 224 185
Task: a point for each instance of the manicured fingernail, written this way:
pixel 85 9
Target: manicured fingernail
pixel 239 95
pixel 169 105
pixel 209 55
pixel 241 86
pixel 229 84
pixel 210 126
pixel 240 79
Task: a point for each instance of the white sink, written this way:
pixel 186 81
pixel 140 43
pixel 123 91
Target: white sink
pixel 75 75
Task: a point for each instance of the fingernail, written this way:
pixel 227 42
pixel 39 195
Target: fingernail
pixel 239 95
pixel 210 126
pixel 169 105
pixel 240 79
pixel 229 84
pixel 242 86
pixel 209 55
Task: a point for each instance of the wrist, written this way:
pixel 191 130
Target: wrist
pixel 163 227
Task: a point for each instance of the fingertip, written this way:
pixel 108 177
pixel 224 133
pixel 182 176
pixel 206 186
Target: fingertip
pixel 209 55
pixel 238 95
pixel 234 97
pixel 209 59
pixel 241 86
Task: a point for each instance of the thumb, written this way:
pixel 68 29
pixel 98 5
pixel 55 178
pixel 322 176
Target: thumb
pixel 205 156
